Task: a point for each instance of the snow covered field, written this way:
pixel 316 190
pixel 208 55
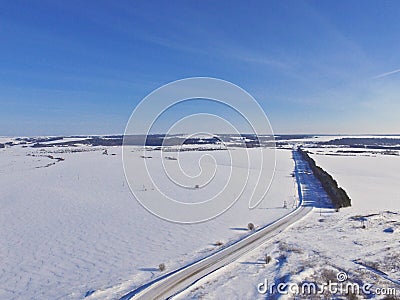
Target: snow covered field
pixel 70 227
pixel 315 250
pixel 363 241
pixel 371 181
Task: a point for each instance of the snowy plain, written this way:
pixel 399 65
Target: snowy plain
pixel 371 180
pixel 363 240
pixel 70 226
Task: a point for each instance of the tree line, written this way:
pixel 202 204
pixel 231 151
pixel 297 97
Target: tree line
pixel 338 195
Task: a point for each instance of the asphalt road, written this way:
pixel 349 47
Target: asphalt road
pixel 174 282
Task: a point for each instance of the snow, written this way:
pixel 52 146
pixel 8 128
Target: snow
pixel 326 242
pixel 4 139
pixel 314 250
pixel 370 181
pixel 65 140
pixel 73 228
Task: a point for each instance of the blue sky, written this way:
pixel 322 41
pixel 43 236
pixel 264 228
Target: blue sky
pixel 80 67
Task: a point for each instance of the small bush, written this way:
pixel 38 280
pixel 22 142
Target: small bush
pixel 284 247
pixel 250 226
pixel 352 296
pixel 161 267
pixel 372 264
pixel 328 275
pixel 267 259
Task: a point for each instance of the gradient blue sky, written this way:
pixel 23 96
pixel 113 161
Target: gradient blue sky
pixel 80 67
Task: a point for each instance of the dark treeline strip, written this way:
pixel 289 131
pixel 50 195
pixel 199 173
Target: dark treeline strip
pixel 237 140
pixel 338 195
pixel 149 140
pixel 363 142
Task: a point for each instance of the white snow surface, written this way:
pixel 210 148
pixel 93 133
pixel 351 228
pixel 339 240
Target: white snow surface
pixel 72 228
pixel 326 242
pixel 371 181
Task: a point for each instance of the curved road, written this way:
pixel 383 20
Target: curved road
pixel 178 280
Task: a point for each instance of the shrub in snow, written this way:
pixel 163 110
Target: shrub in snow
pixel 161 267
pixel 353 296
pixel 250 226
pixel 328 275
pixel 267 259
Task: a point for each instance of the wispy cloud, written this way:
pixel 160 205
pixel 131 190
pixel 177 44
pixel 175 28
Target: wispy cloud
pixel 387 74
